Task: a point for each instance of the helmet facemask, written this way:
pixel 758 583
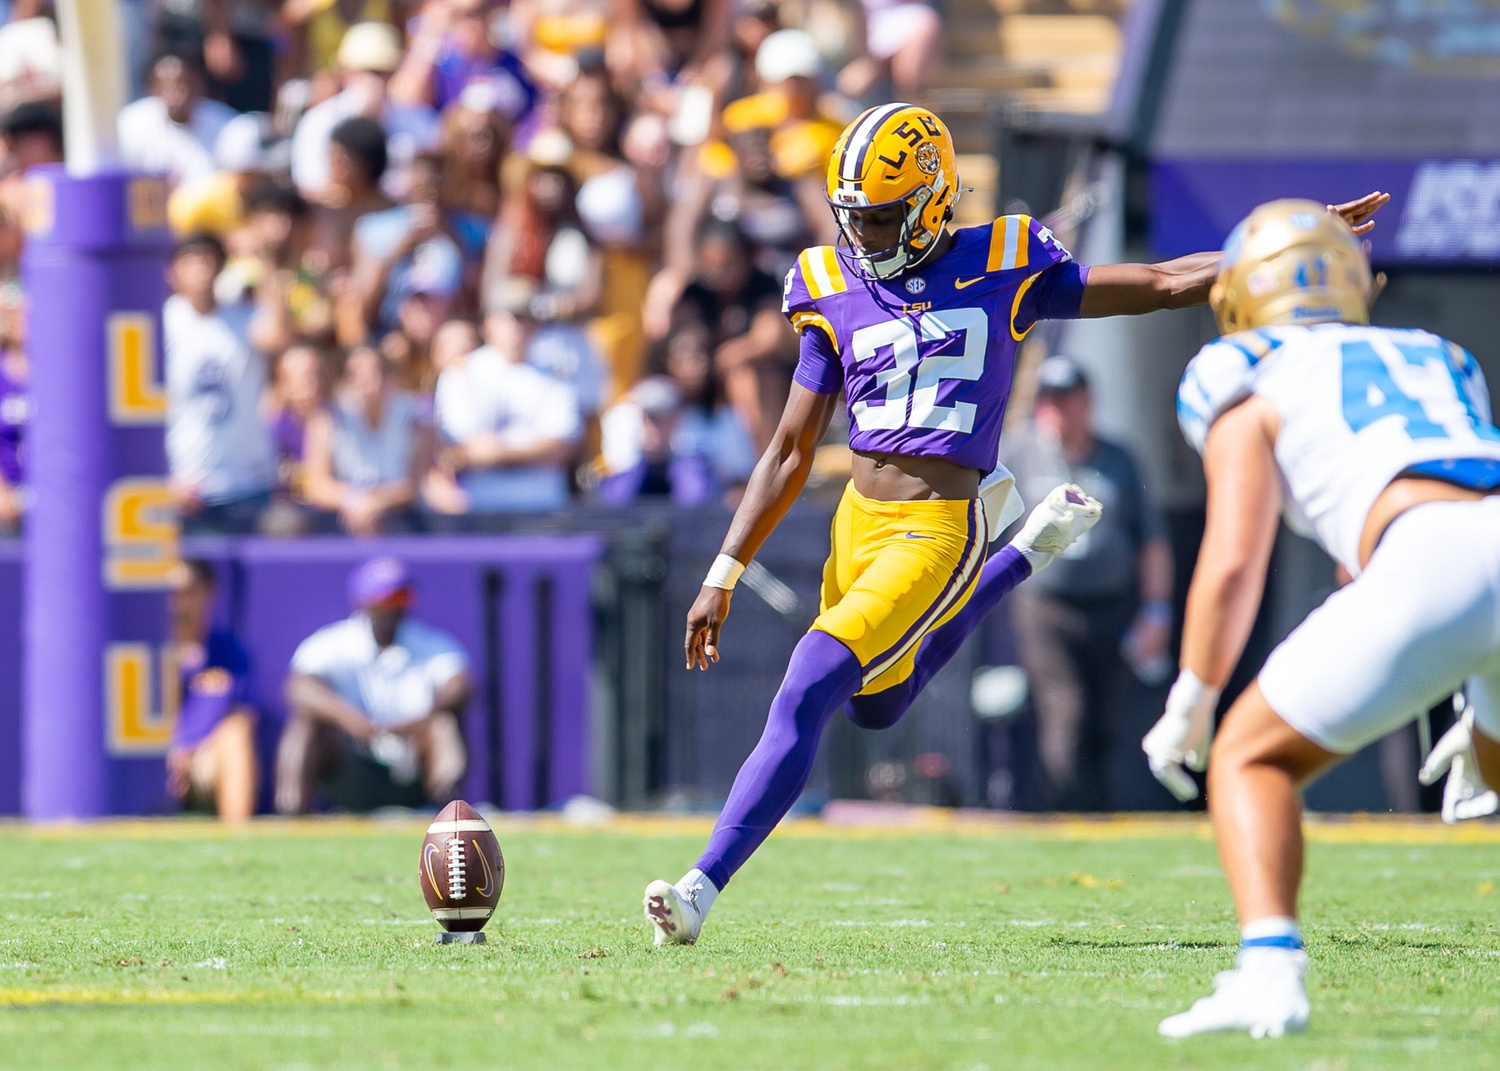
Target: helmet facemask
pixel 913 243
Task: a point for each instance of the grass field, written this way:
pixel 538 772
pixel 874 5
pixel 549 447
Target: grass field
pixel 1033 946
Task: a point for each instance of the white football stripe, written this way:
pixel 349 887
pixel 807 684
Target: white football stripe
pixel 821 279
pixel 462 912
pixel 861 136
pixel 1013 240
pixel 468 825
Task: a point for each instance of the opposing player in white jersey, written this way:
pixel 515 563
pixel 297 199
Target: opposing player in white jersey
pixel 1378 443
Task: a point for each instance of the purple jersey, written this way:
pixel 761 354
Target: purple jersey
pixel 925 359
pixel 15 414
pixel 215 680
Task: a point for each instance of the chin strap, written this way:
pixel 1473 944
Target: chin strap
pixel 910 264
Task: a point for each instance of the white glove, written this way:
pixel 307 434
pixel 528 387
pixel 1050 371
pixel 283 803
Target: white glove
pixel 1064 515
pixel 1181 736
pixel 1465 795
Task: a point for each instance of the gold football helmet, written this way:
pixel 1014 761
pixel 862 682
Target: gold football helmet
pixel 1291 262
pixel 896 154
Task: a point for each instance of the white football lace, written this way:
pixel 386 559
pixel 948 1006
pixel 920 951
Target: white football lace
pixel 456 890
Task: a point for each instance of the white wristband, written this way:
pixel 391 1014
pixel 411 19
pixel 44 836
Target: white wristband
pixel 1191 694
pixel 723 573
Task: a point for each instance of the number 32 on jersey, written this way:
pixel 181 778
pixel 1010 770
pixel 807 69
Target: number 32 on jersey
pixel 919 393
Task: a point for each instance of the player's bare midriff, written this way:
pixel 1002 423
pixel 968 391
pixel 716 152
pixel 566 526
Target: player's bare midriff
pixel 1402 494
pixel 900 478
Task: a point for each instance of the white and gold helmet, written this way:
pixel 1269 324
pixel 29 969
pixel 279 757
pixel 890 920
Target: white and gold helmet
pixel 1291 262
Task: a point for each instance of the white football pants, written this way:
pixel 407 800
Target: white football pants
pixel 1422 621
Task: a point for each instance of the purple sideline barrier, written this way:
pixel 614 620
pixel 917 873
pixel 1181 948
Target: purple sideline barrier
pixel 282 590
pixel 11 569
pixel 274 593
pixel 291 588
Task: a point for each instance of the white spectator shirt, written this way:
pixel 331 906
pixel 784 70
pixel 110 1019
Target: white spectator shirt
pixel 366 457
pixel 720 439
pixel 523 405
pixel 409 129
pixel 565 352
pixel 392 686
pixel 216 437
pixel 151 142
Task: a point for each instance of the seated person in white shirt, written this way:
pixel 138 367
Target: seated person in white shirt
pixel 510 431
pixel 374 703
pixel 173 131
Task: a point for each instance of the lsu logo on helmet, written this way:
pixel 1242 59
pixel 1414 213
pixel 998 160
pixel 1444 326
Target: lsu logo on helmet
pixel 1291 262
pixel 895 154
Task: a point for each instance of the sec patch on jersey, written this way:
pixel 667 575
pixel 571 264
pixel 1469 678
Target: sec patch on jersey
pixel 461 870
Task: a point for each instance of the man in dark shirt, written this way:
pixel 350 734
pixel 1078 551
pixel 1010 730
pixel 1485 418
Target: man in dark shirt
pixel 1106 597
pixel 754 345
pixel 211 764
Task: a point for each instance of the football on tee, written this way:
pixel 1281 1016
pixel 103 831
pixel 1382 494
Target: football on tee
pixel 461 869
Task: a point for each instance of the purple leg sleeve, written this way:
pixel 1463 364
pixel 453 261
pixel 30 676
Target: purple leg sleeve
pixel 999 576
pixel 820 677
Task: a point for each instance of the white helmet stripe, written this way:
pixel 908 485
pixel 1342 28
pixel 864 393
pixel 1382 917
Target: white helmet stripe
pixel 859 141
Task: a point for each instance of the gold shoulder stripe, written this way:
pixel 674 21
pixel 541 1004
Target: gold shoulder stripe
pixel 802 320
pixel 1010 242
pixel 834 269
pixel 816 279
pixel 821 271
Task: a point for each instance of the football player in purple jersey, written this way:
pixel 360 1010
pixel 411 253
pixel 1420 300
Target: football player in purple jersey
pixel 918 326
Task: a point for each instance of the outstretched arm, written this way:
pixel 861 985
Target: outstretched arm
pixel 1131 289
pixel 778 479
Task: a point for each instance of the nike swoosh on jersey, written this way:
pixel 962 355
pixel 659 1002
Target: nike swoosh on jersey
pixel 914 535
pixel 959 284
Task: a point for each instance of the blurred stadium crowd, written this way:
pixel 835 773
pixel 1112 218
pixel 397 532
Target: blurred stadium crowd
pixel 438 263
pixel 448 260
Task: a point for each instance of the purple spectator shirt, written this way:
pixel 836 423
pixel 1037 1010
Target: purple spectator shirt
pixel 925 359
pixel 15 413
pixel 215 680
pixel 511 92
pixel 288 432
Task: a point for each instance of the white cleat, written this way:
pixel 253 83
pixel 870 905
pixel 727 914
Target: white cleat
pixel 1058 521
pixel 1263 996
pixel 673 913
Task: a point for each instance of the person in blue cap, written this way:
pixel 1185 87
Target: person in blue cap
pixel 374 704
